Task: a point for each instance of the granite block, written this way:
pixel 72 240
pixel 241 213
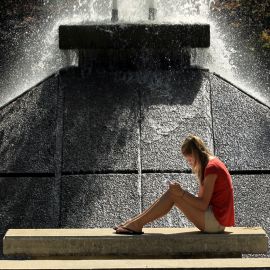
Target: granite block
pixel 153 186
pixel 100 124
pixel 27 202
pixel 173 105
pixel 252 202
pixel 163 151
pixel 100 200
pixel 241 128
pixel 27 130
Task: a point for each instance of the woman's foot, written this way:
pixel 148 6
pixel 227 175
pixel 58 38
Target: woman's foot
pixel 129 225
pixel 132 225
pixel 117 226
pixel 124 230
pixel 122 224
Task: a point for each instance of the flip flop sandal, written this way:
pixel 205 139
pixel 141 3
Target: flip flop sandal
pixel 123 230
pixel 121 225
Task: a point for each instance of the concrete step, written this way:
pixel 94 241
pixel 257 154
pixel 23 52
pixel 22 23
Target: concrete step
pixel 155 243
pixel 258 263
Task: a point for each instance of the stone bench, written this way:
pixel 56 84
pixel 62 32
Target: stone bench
pixel 259 263
pixel 155 243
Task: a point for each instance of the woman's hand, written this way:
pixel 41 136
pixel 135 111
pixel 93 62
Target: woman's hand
pixel 176 189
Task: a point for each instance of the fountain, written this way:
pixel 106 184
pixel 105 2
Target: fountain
pixel 38 46
pixel 120 46
pixel 115 11
pixel 92 144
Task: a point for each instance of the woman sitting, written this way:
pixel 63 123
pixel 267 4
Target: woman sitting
pixel 210 211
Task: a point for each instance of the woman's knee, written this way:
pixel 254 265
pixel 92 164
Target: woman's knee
pixel 172 195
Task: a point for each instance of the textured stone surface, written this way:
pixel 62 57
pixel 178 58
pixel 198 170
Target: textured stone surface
pixel 241 128
pixel 100 124
pixel 27 127
pixel 174 104
pixel 154 243
pixel 252 201
pixel 99 200
pixel 27 202
pixel 124 36
pixel 153 187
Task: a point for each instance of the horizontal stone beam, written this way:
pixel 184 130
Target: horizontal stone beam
pixel 134 36
pixel 155 243
pixel 249 263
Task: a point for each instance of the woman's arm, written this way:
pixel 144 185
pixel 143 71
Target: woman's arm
pixel 200 191
pixel 205 193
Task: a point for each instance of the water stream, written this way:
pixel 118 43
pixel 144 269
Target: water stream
pixel 37 54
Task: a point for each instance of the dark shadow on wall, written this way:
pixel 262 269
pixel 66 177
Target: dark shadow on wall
pixel 27 183
pixel 102 125
pixel 28 131
pixel 102 115
pixel 26 202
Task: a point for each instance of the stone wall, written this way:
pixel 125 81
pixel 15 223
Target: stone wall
pixel 91 152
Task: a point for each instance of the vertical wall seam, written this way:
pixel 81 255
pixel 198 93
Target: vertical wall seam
pixel 59 149
pixel 62 148
pixel 211 113
pixel 139 150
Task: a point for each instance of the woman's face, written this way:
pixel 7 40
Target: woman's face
pixel 191 160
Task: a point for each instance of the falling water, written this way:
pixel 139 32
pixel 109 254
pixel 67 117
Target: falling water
pixel 38 55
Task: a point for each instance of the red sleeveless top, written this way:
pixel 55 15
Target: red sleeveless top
pixel 222 201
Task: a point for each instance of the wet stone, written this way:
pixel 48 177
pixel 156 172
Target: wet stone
pixel 137 36
pixel 100 124
pixel 153 186
pixel 173 105
pixel 27 131
pixel 241 128
pixel 102 200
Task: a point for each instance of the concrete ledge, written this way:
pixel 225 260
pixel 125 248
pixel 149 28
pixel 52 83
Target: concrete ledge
pixel 260 263
pixel 134 36
pixel 103 243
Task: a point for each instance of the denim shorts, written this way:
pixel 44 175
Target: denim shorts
pixel 211 223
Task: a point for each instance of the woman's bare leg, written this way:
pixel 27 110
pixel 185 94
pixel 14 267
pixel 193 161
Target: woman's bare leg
pixel 158 209
pixel 162 206
pixel 195 215
pixel 146 210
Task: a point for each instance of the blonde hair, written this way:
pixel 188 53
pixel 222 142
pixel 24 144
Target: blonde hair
pixel 193 145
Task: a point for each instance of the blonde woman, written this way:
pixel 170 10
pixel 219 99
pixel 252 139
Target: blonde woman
pixel 210 211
